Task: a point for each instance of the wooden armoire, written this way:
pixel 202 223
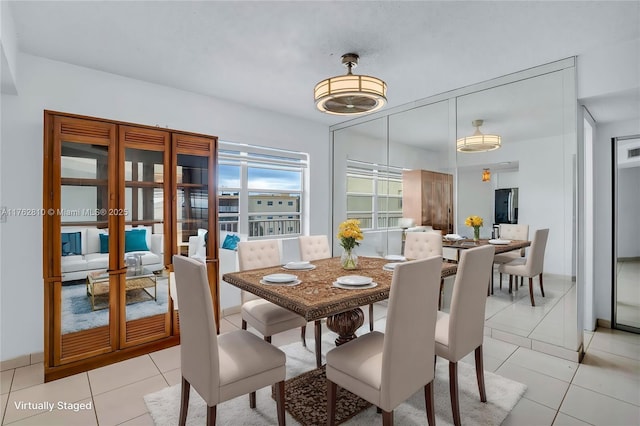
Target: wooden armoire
pixel 427 198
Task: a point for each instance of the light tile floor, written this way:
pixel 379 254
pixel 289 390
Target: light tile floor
pixel 603 390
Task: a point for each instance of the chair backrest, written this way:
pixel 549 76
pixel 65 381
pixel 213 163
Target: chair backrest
pixel 514 232
pixel 199 360
pixel 466 316
pixel 314 247
pixel 421 245
pixel 535 261
pixel 409 341
pixel 257 254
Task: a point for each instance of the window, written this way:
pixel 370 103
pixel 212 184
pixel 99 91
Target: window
pixel 374 194
pixel 265 187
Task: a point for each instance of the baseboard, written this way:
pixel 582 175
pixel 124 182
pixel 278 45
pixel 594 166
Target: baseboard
pixel 603 323
pixel 230 311
pixel 22 361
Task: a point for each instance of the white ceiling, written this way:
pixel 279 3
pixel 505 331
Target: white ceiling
pixel 271 54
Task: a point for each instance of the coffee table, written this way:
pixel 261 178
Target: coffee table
pixel 98 283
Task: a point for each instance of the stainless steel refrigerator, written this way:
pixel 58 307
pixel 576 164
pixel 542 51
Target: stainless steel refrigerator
pixel 506 205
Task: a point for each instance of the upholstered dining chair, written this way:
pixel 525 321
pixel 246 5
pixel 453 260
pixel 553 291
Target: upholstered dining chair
pixel 531 265
pixel 386 369
pixel 420 245
pixel 266 317
pixel 462 330
pixel 511 232
pixel 219 367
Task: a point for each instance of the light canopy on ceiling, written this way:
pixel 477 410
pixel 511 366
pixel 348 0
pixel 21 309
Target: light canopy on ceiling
pixel 478 142
pixel 350 94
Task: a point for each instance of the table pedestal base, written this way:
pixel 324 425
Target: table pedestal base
pixel 345 325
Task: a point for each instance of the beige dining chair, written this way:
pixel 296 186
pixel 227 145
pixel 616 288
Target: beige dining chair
pixel 222 367
pixel 266 317
pixel 531 265
pixel 462 330
pixel 421 245
pixel 314 247
pixel 386 369
pixel 511 232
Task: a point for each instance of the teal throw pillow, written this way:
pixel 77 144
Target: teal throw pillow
pixel 104 243
pixel 230 242
pixel 135 240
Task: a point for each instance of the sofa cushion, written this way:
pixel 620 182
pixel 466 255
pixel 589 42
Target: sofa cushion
pixel 135 240
pixel 92 244
pixel 97 260
pixel 149 258
pixel 73 263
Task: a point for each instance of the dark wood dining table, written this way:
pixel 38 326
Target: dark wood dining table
pixel 316 297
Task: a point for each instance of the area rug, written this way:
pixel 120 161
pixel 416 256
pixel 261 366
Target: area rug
pixel 502 396
pixel 77 313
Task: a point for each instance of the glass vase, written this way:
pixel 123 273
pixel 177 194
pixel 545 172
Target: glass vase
pixel 349 259
pixel 476 233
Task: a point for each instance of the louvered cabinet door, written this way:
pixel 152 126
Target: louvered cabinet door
pixel 80 189
pixel 143 223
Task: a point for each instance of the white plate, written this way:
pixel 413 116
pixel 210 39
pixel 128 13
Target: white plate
pixel 354 280
pixel 499 242
pixel 287 284
pixel 299 266
pixel 279 278
pixel 453 237
pixel 390 266
pixel 395 257
pixel 354 287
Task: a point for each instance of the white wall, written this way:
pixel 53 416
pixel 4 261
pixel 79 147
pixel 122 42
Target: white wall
pixel 46 84
pixel 602 213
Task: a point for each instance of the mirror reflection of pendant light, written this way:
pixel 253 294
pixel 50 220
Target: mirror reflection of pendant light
pixel 486 175
pixel 350 94
pixel 478 142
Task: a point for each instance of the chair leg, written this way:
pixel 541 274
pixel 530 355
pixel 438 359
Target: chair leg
pixel 184 401
pixel 510 282
pixel 533 303
pixel 541 286
pixel 453 390
pixel 280 402
pixel 428 399
pixel 480 374
pixel 303 335
pixel 371 317
pixel 387 418
pixel 244 325
pixel 318 335
pixel 332 390
pixel 211 415
pixel 440 296
pixel 521 281
pixel 500 280
pixel 252 400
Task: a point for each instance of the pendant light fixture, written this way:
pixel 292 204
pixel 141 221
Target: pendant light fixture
pixel 486 175
pixel 350 94
pixel 478 142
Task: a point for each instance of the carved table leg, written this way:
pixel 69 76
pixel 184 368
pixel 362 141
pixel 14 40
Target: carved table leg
pixel 345 325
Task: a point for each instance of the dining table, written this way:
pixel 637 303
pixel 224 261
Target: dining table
pixel 316 296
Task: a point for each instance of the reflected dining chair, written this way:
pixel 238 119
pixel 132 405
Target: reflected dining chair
pixel 510 232
pixel 266 317
pixel 222 367
pixel 462 330
pixel 421 245
pixel 531 265
pixel 386 369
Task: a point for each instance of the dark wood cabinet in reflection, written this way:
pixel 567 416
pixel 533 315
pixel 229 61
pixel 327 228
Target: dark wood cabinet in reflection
pixel 427 198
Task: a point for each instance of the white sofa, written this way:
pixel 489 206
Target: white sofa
pixel 76 266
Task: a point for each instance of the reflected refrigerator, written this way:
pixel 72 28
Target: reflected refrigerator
pixel 506 205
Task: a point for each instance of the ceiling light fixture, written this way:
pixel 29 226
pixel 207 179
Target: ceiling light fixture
pixel 478 142
pixel 350 94
pixel 486 175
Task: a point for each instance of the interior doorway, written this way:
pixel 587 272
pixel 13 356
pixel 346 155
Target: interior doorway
pixel 626 232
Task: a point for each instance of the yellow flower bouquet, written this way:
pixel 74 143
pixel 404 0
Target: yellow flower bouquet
pixel 475 222
pixel 350 235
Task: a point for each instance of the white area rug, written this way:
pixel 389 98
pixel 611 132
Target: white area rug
pixel 502 396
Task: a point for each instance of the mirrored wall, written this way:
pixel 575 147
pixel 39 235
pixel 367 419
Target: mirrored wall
pixel 535 114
